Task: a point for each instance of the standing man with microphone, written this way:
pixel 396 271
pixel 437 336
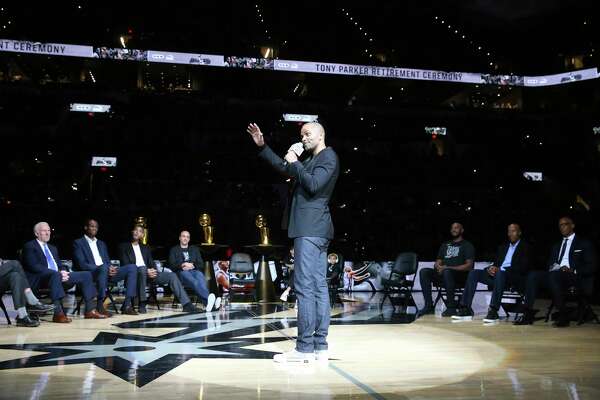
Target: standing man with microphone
pixel 311 229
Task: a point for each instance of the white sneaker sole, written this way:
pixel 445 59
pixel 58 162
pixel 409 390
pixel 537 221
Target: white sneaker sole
pixel 210 302
pixel 218 303
pixel 281 359
pixel 490 321
pixel 459 318
pixel 322 358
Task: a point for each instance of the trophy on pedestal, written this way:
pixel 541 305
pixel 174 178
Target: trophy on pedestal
pixel 261 224
pixel 207 229
pixel 141 221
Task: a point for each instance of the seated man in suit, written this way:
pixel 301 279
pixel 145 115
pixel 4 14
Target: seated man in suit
pixel 186 262
pixel 136 253
pixel 13 278
pixel 509 270
pixel 91 254
pixel 572 263
pixel 451 268
pixel 42 268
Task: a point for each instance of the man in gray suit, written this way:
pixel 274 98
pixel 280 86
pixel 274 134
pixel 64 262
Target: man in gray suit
pixel 311 228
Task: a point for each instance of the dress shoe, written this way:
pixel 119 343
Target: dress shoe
pixel 94 315
pixel 40 308
pixel 562 321
pixel 427 310
pixel 129 311
pixel 106 313
pixel 190 308
pixel 527 318
pixel 27 322
pixel 61 318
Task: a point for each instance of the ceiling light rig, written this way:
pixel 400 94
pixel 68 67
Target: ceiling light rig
pixel 368 45
pixel 478 49
pixel 6 20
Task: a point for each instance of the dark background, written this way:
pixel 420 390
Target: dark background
pixel 179 131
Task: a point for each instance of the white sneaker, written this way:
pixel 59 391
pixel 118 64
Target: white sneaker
pixel 283 296
pixel 322 356
pixel 294 356
pixel 210 302
pixel 462 318
pixel 218 303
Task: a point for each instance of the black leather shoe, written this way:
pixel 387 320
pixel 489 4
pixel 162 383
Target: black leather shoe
pixel 190 308
pixel 526 319
pixel 427 310
pixel 27 322
pixel 40 308
pixel 562 321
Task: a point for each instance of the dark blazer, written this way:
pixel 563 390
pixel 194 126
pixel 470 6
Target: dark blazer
pixel 83 259
pixel 176 258
pixel 315 180
pixel 34 259
pixel 582 256
pixel 520 263
pixel 127 256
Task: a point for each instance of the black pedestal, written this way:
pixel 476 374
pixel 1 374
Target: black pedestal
pixel 265 290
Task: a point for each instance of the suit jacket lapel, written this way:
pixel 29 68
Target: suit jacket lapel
pixel 88 251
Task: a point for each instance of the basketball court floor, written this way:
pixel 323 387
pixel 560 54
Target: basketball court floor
pixel 375 353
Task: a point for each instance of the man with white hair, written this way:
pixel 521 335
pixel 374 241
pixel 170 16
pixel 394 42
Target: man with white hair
pixel 44 269
pixel 311 228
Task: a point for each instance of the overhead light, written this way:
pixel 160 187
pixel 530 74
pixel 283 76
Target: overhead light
pixel 300 117
pixel 98 161
pixel 84 107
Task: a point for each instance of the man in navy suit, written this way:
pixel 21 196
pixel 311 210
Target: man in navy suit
pixel 44 269
pixel 509 270
pixel 91 254
pixel 572 263
pixel 311 227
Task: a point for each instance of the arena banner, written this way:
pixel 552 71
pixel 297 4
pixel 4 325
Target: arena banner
pixel 57 49
pixel 377 71
pixel 185 58
pixel 49 49
pixel 561 79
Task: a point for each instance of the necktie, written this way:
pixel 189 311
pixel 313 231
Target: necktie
pixel 51 263
pixel 562 250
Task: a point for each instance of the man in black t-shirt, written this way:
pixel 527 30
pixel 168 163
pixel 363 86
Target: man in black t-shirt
pixel 454 261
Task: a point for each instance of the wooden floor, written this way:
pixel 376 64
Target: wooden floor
pixel 227 354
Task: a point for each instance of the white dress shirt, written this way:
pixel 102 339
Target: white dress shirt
pixel 565 259
pixel 139 259
pixel 95 252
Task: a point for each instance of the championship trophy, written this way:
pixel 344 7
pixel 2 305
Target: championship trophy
pixel 205 222
pixel 261 224
pixel 141 221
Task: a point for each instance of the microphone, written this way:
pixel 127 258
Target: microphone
pixel 297 148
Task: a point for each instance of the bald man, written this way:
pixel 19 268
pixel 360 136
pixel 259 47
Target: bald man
pixel 572 263
pixel 311 228
pixel 509 270
pixel 454 261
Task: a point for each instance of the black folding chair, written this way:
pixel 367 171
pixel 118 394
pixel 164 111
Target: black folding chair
pixel 398 282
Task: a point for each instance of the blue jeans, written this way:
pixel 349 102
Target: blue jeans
pixel 194 279
pixel 310 285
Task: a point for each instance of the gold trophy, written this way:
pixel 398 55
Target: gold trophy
pixel 141 221
pixel 261 224
pixel 205 222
